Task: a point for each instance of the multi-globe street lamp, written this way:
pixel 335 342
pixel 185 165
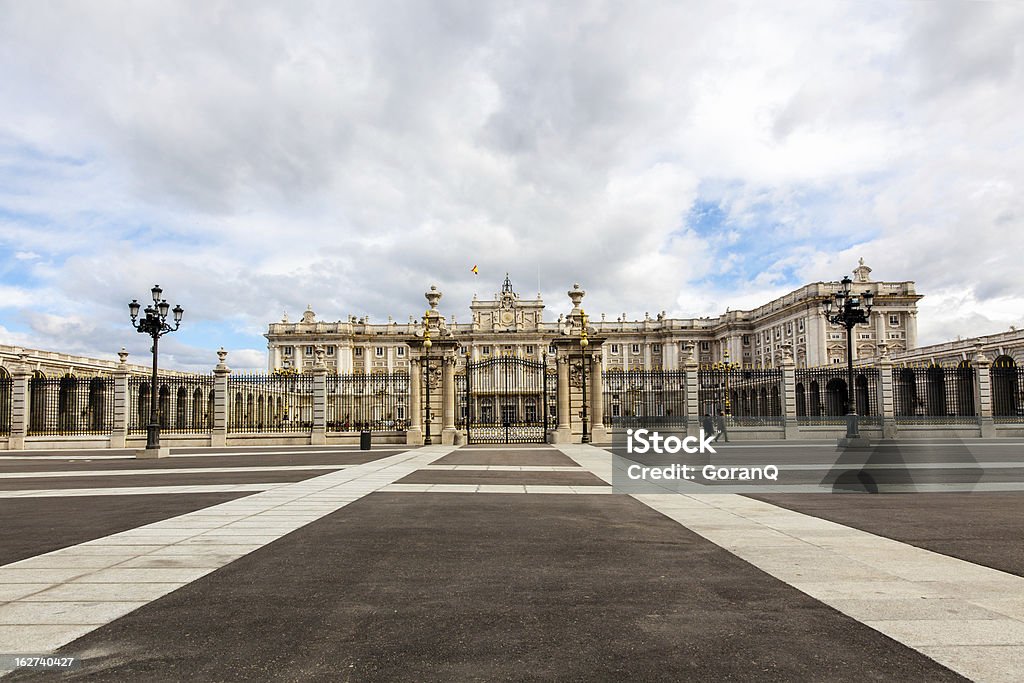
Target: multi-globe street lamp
pixel 155 325
pixel 849 309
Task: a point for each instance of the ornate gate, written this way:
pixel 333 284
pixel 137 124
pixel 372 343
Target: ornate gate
pixel 507 400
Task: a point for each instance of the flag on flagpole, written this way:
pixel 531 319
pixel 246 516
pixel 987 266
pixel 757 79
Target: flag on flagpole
pixel 474 270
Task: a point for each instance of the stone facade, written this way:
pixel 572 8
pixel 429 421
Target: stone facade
pixel 511 324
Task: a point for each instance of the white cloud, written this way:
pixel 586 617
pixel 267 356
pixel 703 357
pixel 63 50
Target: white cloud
pixel 349 155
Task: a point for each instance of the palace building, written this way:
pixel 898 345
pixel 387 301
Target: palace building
pixel 510 324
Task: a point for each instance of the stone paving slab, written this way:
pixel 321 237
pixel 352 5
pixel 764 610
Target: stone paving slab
pixel 454 587
pixel 785 544
pixel 35 526
pixel 68 595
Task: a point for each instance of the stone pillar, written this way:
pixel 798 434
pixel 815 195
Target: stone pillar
pixel 983 392
pixel 119 433
pixel 598 434
pixel 219 433
pixel 788 367
pixel 690 370
pixel 20 377
pixel 414 435
pixel 886 395
pixel 911 330
pixel 448 397
pixel 563 433
pixel 318 436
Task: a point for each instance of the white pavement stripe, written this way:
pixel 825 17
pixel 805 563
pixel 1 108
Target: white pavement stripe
pixel 140 490
pixel 67 596
pixel 493 488
pixel 978 631
pixel 180 470
pixel 505 468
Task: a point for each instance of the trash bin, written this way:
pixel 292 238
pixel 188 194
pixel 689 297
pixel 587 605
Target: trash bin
pixel 364 440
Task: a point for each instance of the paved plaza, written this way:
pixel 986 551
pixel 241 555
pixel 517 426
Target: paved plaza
pixel 509 563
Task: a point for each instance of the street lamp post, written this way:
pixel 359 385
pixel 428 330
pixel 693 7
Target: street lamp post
pixel 426 345
pixel 584 343
pixel 155 325
pixel 845 308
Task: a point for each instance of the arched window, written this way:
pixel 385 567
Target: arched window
pixel 6 392
pixel 197 409
pixel 37 399
pixel 814 406
pixel 906 393
pixel 181 409
pixel 144 398
pixel 776 402
pixel 165 406
pixel 801 400
pixel 863 397
pixel 238 409
pixel 1006 394
pixel 936 390
pixel 98 404
pixel 837 398
pixel 67 410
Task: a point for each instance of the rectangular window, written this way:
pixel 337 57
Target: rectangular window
pixel 380 352
pixel 705 346
pixel 746 340
pixel 400 412
pixel 894 321
pixel 287 350
pixel 865 336
pixel 359 351
pixel 636 348
pixel 656 348
pixel 616 410
pixel 529 350
pixel 615 348
pixel 551 349
pixel 486 350
pixel 309 350
pixel 330 350
pixel 401 352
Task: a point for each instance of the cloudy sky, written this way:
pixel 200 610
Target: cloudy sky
pixel 253 158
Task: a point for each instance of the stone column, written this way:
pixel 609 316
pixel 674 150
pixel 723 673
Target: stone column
pixel 788 367
pixel 448 396
pixel 911 330
pixel 563 433
pixel 219 433
pixel 414 435
pixel 983 392
pixel 886 395
pixel 598 434
pixel 690 368
pixel 119 434
pixel 20 376
pixel 318 436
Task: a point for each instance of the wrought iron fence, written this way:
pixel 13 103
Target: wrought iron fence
pixel 280 402
pixel 184 404
pixel 376 402
pixel 934 394
pixel 644 394
pixel 822 395
pixel 69 405
pixel 1007 391
pixel 6 396
pixel 749 396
